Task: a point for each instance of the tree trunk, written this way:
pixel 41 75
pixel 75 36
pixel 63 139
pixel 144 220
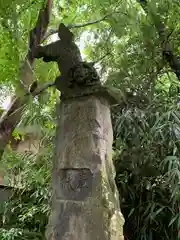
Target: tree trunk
pixel 85 203
pixel 10 119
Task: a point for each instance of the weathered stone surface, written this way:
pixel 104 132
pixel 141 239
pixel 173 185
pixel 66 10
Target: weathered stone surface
pixel 85 203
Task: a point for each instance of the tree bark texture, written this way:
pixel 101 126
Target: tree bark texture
pixel 85 202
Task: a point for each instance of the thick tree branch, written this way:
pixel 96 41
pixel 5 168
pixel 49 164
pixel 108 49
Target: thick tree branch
pixel 12 116
pixel 37 33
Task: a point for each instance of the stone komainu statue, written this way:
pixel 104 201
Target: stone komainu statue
pixel 74 72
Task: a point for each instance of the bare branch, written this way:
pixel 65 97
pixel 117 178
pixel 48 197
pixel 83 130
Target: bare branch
pixel 19 109
pixel 71 26
pixel 43 88
pixel 102 58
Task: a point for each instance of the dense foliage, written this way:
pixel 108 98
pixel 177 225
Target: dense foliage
pixel 131 53
pixel 148 171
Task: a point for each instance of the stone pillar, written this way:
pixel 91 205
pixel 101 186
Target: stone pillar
pixel 85 203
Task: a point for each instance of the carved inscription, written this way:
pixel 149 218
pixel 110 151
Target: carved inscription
pixel 74 184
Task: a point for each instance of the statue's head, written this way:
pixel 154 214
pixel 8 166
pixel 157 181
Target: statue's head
pixel 65 34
